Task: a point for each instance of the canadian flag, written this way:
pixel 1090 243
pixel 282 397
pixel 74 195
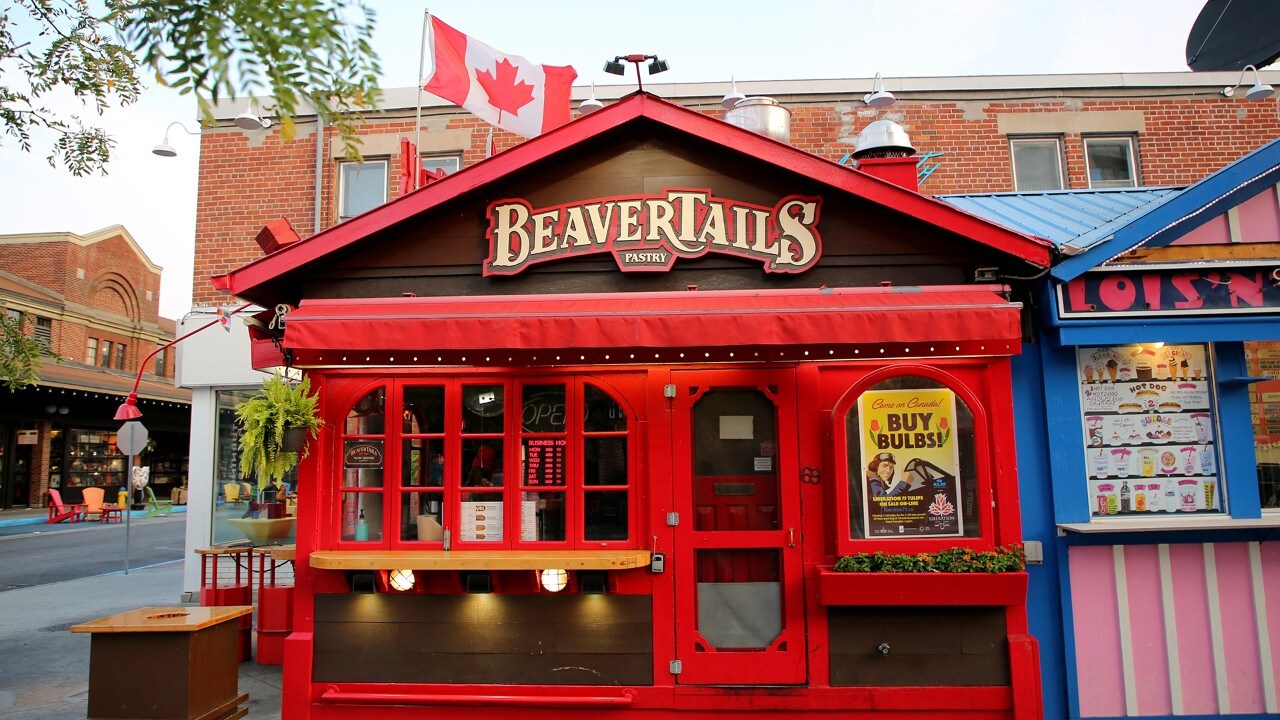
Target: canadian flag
pixel 506 90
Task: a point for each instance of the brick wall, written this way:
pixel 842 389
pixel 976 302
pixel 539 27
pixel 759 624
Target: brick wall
pixel 246 182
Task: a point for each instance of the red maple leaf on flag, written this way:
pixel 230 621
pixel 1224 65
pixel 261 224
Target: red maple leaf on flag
pixel 504 92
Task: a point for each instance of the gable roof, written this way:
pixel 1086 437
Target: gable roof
pixel 249 282
pixel 96 236
pixel 1157 218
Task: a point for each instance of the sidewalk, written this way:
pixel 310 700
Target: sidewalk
pixel 45 675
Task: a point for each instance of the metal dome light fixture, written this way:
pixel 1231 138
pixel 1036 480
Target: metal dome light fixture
pixel 733 97
pixel 591 104
pixel 879 97
pixel 164 149
pixel 1259 91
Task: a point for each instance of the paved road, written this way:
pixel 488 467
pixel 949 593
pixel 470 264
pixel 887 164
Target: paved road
pixel 32 555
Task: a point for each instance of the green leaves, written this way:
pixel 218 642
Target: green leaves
pixel 1002 559
pixel 265 417
pixel 20 353
pixel 308 55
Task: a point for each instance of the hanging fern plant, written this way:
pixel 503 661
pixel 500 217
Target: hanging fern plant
pixel 266 417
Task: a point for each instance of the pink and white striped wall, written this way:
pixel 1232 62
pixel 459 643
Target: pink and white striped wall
pixel 1187 629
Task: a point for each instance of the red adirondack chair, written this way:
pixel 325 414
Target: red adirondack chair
pixel 59 511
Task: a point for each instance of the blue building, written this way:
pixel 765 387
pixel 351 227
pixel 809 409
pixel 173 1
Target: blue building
pixel 1149 443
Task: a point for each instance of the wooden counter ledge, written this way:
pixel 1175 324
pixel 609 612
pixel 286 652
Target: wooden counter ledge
pixel 479 559
pixel 163 619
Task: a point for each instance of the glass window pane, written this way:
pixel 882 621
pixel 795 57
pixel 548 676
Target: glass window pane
pixel 362 516
pixel 482 463
pixel 735 477
pixel 1037 165
pixel 739 598
pixel 437 163
pixel 916 475
pixel 422 463
pixel 605 516
pixel 542 408
pixel 604 461
pixel 423 410
pixel 364 187
pixel 601 413
pixel 367 416
pixel 482 409
pixel 104 358
pixel 482 517
pixel 1263 359
pixel 422 516
pixel 1110 162
pixel 362 477
pixel 91 351
pixel 542 516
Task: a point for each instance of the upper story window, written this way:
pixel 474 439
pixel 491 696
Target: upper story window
pixel 122 352
pixel 450 164
pixel 504 462
pixel 91 351
pixel 14 315
pixel 104 357
pixel 160 361
pixel 1037 163
pixel 361 187
pixel 44 330
pixel 1109 162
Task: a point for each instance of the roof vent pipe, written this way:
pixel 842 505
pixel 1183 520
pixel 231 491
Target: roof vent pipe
pixel 762 116
pixel 883 150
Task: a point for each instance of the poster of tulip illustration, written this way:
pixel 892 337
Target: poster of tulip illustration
pixel 910 462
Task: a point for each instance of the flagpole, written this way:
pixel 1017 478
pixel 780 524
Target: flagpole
pixel 417 113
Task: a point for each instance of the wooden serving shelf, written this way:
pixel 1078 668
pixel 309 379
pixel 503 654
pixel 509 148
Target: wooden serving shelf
pixel 479 559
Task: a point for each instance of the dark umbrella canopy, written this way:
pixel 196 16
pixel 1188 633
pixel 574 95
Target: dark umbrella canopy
pixel 1230 34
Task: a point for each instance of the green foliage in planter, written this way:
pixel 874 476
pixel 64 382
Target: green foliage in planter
pixel 953 560
pixel 264 419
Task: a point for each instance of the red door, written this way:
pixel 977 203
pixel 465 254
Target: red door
pixel 739 605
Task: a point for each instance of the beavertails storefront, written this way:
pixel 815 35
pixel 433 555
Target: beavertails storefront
pixel 599 417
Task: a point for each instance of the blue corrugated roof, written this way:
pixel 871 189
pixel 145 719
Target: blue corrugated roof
pixel 1077 219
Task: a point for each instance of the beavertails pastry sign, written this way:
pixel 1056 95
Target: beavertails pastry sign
pixel 649 232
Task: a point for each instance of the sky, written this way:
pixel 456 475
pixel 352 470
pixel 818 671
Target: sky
pixel 702 40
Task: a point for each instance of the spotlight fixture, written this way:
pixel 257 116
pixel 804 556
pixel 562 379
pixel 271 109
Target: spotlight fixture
pixel 1259 91
pixel 402 580
pixel 615 66
pixel 591 104
pixel 477 582
pixel 593 582
pixel 554 579
pixel 363 582
pixel 879 97
pixel 733 97
pixel 164 149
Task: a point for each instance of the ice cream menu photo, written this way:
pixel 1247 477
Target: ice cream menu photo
pixel 1150 442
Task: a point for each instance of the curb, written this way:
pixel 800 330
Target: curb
pixel 39 520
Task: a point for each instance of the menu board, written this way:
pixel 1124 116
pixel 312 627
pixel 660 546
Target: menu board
pixel 1149 434
pixel 481 521
pixel 544 461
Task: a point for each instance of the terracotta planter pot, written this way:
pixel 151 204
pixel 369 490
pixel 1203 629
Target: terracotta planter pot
pixel 837 588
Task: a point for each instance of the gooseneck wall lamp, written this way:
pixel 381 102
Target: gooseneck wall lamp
pixel 879 97
pixel 1259 91
pixel 164 149
pixel 615 66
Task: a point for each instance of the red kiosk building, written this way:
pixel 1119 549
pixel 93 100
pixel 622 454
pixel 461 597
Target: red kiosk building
pixel 602 411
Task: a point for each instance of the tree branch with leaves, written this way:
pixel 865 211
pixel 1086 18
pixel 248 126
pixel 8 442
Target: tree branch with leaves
pixel 308 56
pixel 20 353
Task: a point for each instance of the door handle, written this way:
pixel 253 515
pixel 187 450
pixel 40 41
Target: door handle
pixel 791 537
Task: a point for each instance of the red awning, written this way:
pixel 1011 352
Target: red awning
pixel 656 327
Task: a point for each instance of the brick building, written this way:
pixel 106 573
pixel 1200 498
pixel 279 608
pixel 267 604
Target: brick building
pixel 94 299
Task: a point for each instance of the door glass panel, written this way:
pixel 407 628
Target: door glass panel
pixel 542 516
pixel 603 414
pixel 366 417
pixel 482 409
pixel 739 598
pixel 421 516
pixel 735 469
pixel 605 515
pixel 362 516
pixel 422 462
pixel 605 461
pixel 542 408
pixel 423 410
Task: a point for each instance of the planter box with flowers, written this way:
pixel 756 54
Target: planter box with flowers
pixel 959 576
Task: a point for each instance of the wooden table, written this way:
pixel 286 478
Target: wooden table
pixel 166 663
pixel 110 513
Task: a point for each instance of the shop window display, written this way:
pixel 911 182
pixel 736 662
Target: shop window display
pixel 910 454
pixel 475 470
pixel 1149 434
pixel 1263 360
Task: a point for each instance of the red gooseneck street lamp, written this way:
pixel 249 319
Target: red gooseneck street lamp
pixel 128 410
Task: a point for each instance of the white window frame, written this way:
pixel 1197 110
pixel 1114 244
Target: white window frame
pixel 1013 158
pixel 1134 179
pixel 426 159
pixel 342 185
